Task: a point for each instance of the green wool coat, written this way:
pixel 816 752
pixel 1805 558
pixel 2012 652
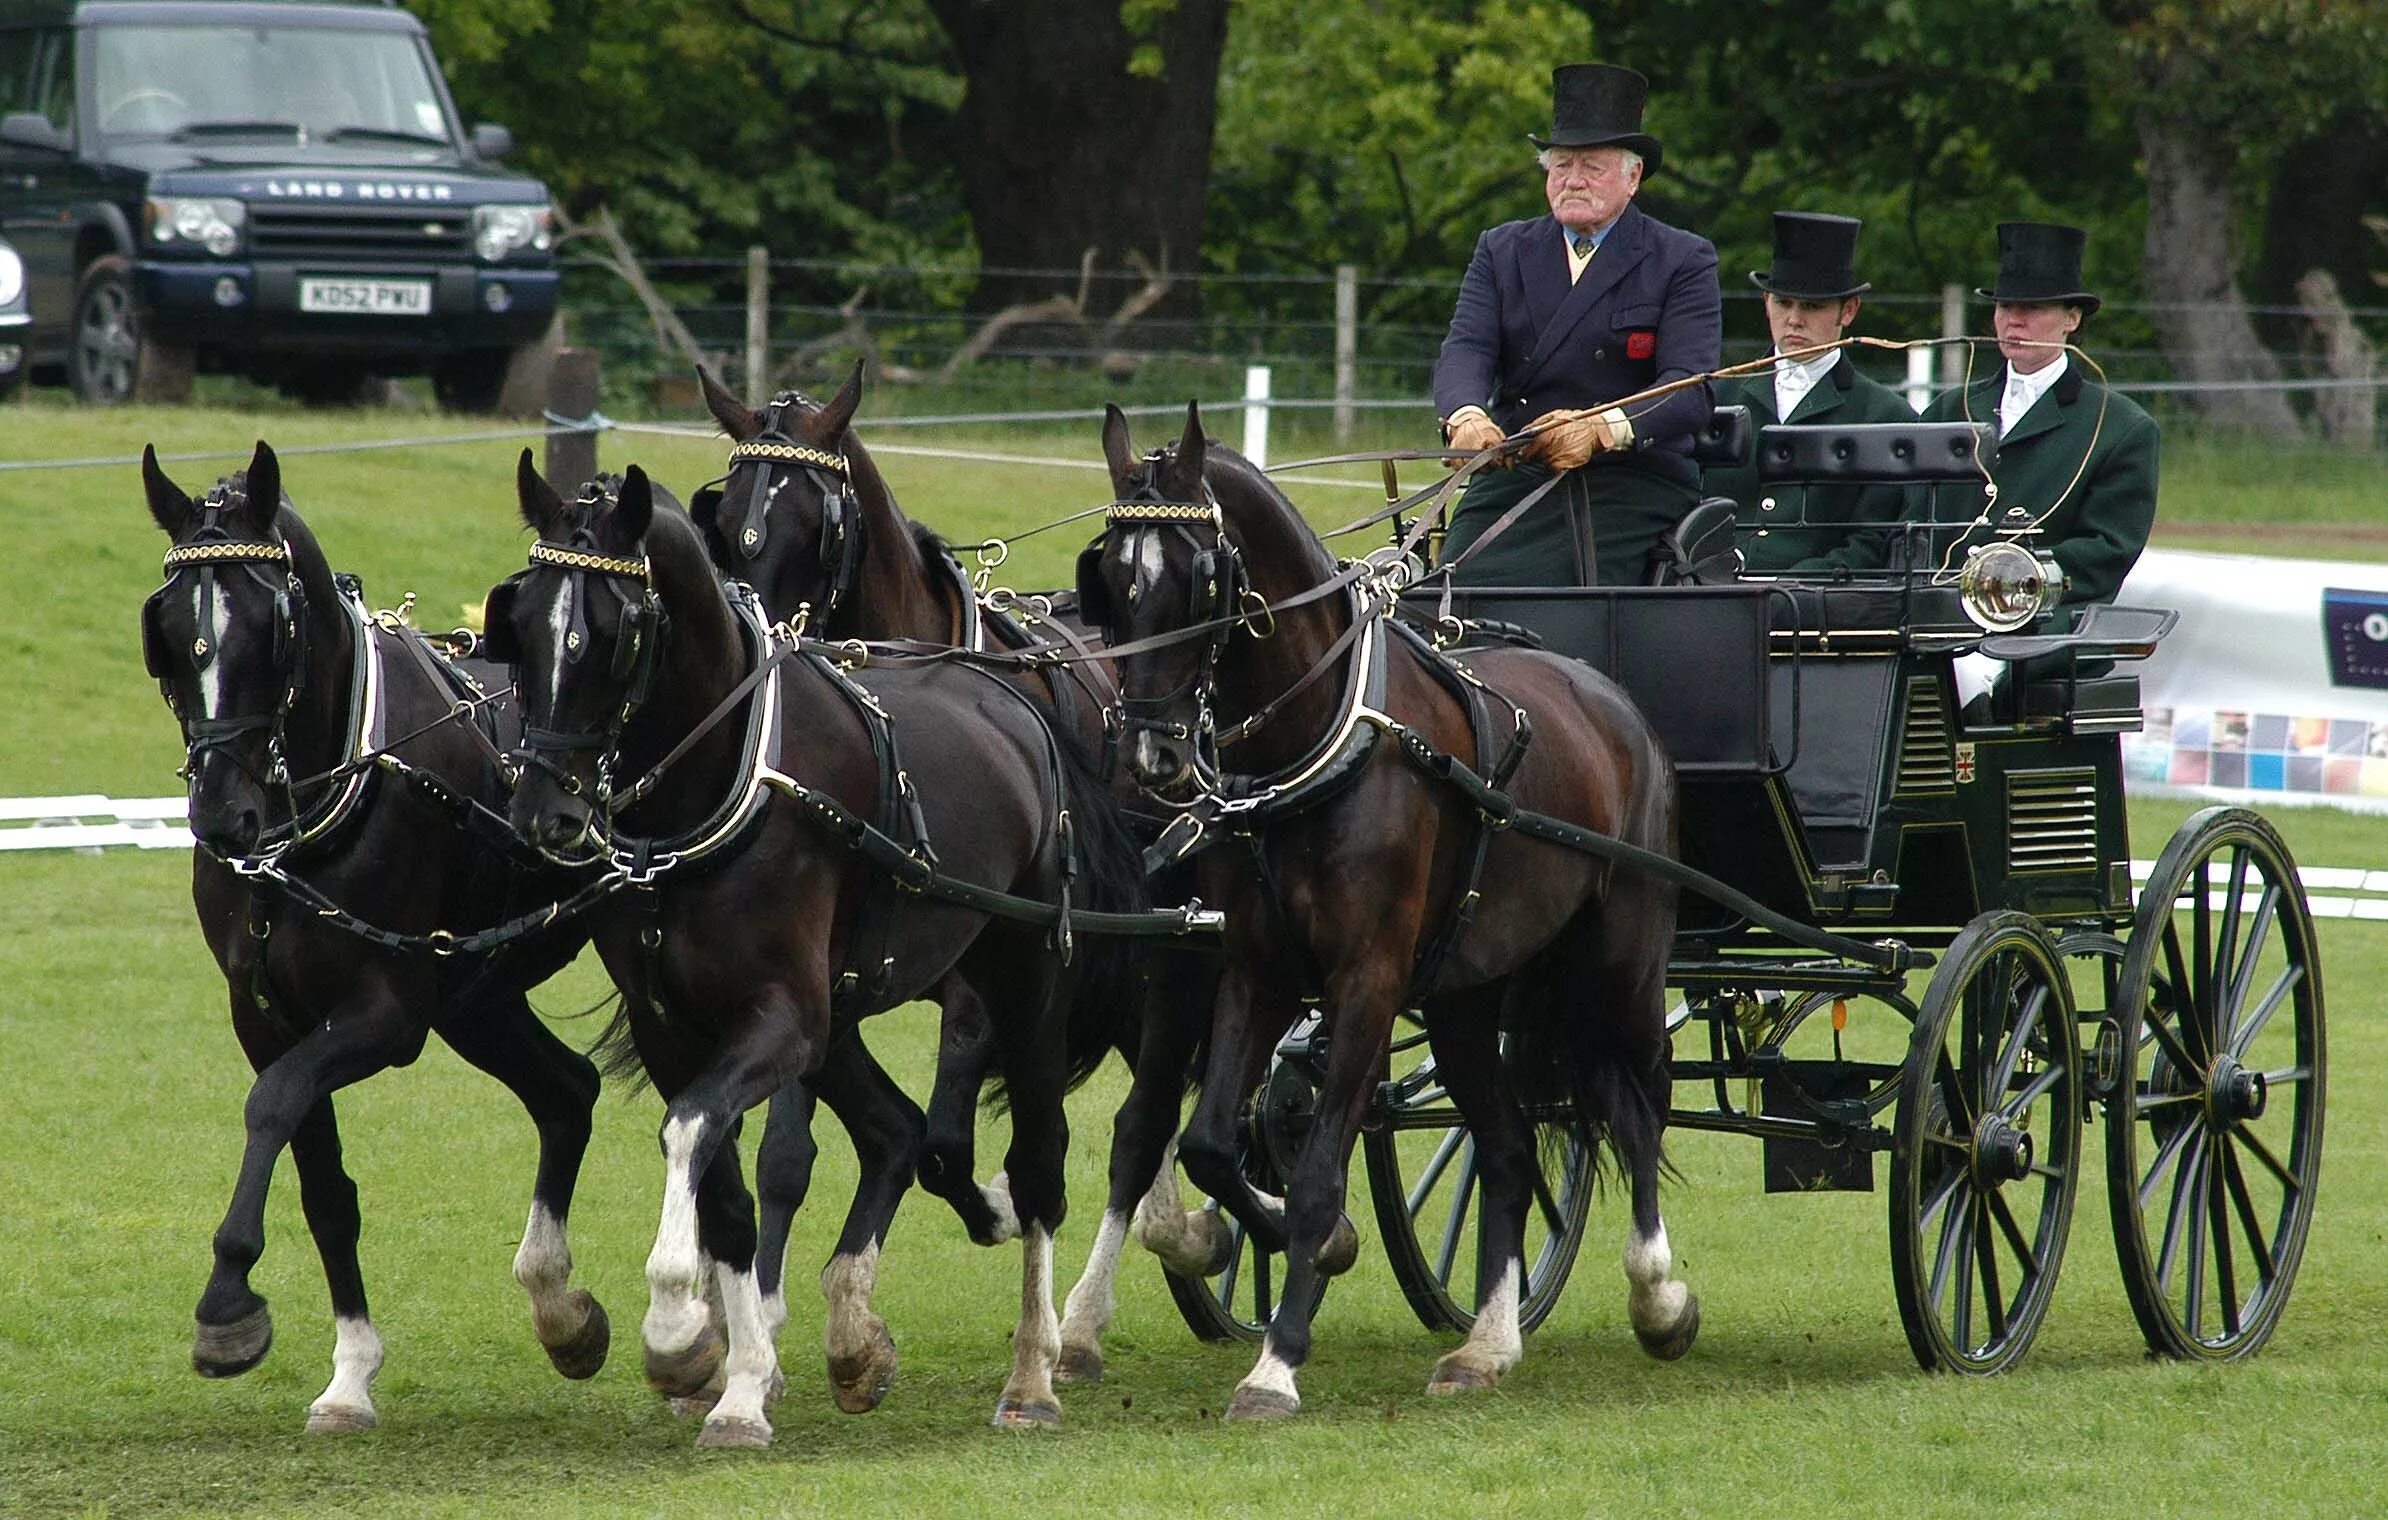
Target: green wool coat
pixel 1772 538
pixel 2101 519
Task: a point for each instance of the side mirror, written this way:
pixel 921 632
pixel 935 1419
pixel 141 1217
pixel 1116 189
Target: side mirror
pixel 31 129
pixel 491 141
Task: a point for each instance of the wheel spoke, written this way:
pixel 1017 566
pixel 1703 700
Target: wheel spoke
pixel 2150 1101
pixel 2005 1218
pixel 2201 963
pixel 1961 1311
pixel 1553 1219
pixel 2263 1153
pixel 2226 1288
pixel 2246 1034
pixel 1951 1230
pixel 2174 1049
pixel 1986 1249
pixel 2039 1087
pixel 2243 976
pixel 2177 969
pixel 2244 1200
pixel 2018 1040
pixel 2166 1154
pixel 2173 1217
pixel 1933 1204
pixel 1950 1080
pixel 1452 1140
pixel 2193 1201
pixel 2226 943
pixel 1459 1213
pixel 2288 1076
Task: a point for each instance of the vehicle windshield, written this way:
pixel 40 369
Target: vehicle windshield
pixel 221 83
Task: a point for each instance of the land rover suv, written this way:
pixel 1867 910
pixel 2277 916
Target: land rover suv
pixel 276 188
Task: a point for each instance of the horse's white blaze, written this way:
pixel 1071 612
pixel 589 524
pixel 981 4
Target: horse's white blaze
pixel 1036 1344
pixel 847 1284
pixel 1088 1313
pixel 751 1362
pixel 356 1357
pixel 1653 1299
pixel 997 1190
pixel 559 616
pixel 675 1286
pixel 211 674
pixel 543 1265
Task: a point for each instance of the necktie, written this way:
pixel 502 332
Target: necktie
pixel 1582 243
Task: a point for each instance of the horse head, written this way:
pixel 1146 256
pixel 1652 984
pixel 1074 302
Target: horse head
pixel 581 629
pixel 786 519
pixel 1163 565
pixel 226 639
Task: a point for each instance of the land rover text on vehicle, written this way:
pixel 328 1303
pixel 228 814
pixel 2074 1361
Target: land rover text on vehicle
pixel 281 190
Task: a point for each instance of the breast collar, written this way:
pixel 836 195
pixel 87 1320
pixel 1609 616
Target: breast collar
pixel 758 762
pixel 1247 804
pixel 366 724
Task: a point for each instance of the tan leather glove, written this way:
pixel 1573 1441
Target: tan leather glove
pixel 1472 434
pixel 1571 438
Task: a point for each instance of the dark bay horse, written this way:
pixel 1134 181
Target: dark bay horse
pixel 276 674
pixel 805 517
pixel 756 938
pixel 1347 872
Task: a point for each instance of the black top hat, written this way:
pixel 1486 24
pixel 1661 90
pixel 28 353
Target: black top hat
pixel 1815 258
pixel 2040 261
pixel 1599 105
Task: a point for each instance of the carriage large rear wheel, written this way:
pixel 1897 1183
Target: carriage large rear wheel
pixel 1986 1153
pixel 2214 1126
pixel 1237 1303
pixel 1422 1178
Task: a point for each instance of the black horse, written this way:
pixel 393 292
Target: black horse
pixel 805 517
pixel 1352 871
pixel 276 675
pixel 756 937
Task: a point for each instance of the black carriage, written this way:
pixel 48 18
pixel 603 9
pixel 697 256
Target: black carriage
pixel 1835 789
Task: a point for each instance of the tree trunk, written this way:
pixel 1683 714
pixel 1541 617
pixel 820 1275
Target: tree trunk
pixel 2313 217
pixel 2349 414
pixel 2192 286
pixel 1066 150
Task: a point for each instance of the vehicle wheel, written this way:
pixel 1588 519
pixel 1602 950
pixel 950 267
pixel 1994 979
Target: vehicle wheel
pixel 1238 1303
pixel 1422 1177
pixel 1986 1149
pixel 109 361
pixel 2214 1135
pixel 471 382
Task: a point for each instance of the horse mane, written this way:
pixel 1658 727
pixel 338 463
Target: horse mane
pixel 1223 466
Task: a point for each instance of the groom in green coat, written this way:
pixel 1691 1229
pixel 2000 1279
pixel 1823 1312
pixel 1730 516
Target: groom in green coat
pixel 2073 456
pixel 1812 295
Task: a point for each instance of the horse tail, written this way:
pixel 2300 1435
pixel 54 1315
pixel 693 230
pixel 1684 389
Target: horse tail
pixel 615 1053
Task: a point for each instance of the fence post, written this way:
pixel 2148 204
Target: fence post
pixel 572 395
pixel 1952 325
pixel 1919 378
pixel 1256 415
pixel 1347 347
pixel 758 314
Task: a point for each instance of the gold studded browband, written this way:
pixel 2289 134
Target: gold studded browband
pixel 791 453
pixel 236 553
pixel 544 553
pixel 1163 512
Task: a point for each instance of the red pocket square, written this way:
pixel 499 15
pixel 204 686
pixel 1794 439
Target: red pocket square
pixel 1640 345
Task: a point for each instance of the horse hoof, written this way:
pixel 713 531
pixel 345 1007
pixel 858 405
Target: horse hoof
pixel 1079 1364
pixel 1452 1375
pixel 222 1351
pixel 734 1433
pixel 1341 1250
pixel 1669 1344
pixel 340 1420
pixel 1031 1414
pixel 580 1357
pixel 1262 1404
pixel 685 1374
pixel 859 1383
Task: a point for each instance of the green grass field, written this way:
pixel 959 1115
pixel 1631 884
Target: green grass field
pixel 121 1091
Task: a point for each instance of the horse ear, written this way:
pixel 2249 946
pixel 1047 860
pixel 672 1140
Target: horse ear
pixel 831 424
pixel 261 488
pixel 1185 463
pixel 1118 452
pixel 167 503
pixel 734 418
pixel 634 505
pixel 542 508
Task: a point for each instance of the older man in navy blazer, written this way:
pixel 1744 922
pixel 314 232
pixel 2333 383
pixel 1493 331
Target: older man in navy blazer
pixel 1562 317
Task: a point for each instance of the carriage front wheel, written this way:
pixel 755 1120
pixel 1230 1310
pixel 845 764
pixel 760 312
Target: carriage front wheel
pixel 1986 1152
pixel 2214 1122
pixel 1422 1178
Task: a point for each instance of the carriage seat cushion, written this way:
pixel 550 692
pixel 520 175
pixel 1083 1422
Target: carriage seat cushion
pixel 1875 453
pixel 1724 441
pixel 1698 550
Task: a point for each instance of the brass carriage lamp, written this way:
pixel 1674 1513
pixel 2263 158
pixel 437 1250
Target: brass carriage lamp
pixel 2003 585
